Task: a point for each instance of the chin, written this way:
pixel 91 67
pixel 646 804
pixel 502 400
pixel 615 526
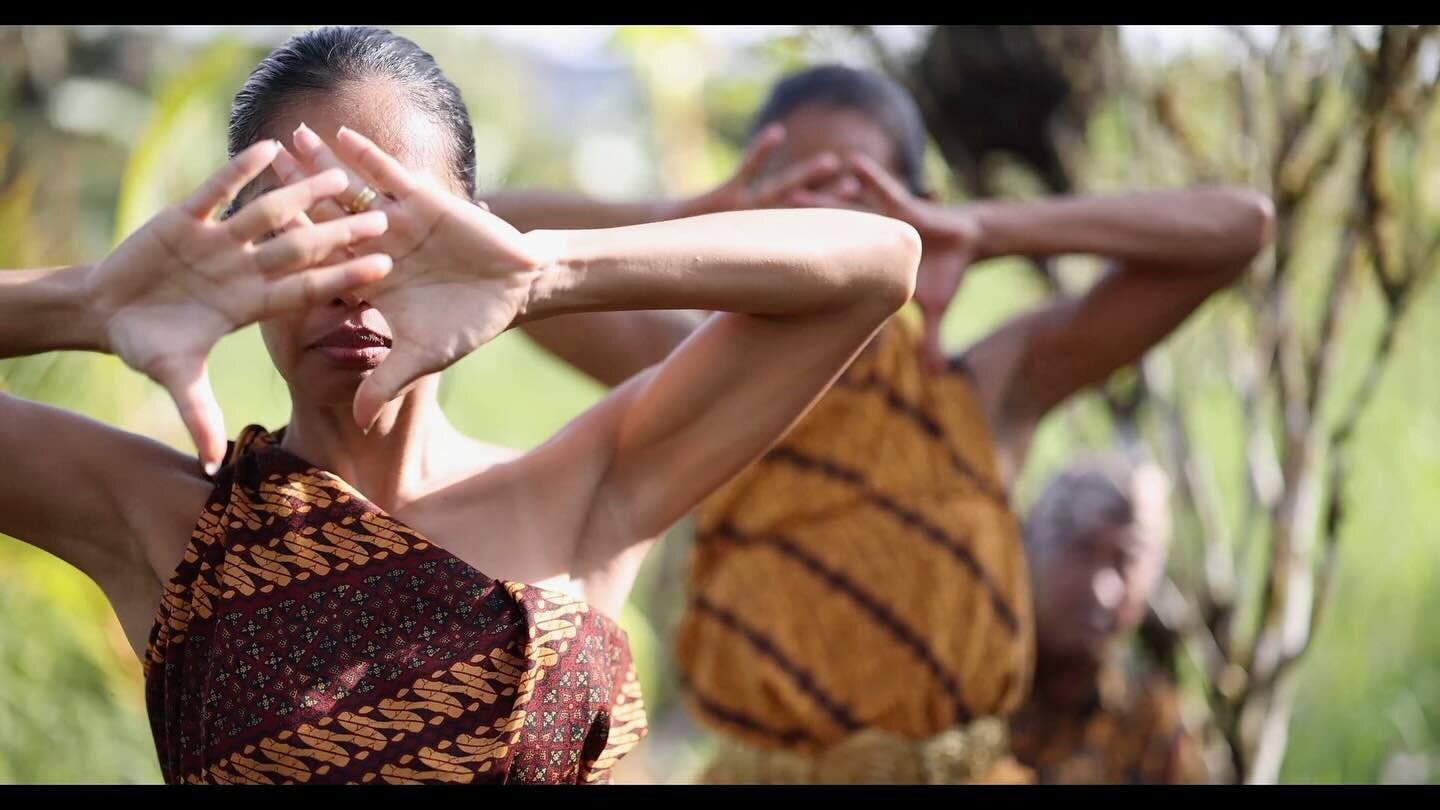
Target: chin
pixel 329 387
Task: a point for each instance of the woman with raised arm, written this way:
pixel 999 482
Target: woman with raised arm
pixel 859 607
pixel 366 595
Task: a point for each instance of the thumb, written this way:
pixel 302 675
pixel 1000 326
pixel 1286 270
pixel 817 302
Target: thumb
pixel 753 161
pixel 189 385
pixel 396 372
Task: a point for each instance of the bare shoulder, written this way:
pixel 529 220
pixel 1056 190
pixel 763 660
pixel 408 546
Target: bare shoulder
pixel 117 506
pixel 92 494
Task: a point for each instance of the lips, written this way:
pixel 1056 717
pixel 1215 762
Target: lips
pixel 352 345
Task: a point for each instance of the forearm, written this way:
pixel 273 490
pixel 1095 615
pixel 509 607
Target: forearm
pixel 46 310
pixel 530 210
pixel 779 263
pixel 1219 226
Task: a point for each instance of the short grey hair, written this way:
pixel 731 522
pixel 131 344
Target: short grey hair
pixel 1096 491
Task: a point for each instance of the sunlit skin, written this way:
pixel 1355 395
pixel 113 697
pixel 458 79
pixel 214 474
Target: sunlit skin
pixel 360 350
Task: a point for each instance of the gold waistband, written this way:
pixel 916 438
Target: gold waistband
pixel 971 754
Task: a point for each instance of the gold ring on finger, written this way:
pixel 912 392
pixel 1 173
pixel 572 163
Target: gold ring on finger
pixel 362 201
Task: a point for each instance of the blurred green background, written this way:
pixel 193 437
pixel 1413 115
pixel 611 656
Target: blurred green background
pixel 101 126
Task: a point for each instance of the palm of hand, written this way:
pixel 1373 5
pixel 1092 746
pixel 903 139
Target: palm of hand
pixel 166 306
pixel 948 248
pixel 461 277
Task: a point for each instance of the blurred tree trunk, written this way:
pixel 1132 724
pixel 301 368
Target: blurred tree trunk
pixel 1022 92
pixel 1322 126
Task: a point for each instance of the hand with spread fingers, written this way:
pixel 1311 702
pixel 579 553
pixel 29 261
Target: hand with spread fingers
pixel 950 239
pixel 462 274
pixel 856 182
pixel 170 291
pixel 749 189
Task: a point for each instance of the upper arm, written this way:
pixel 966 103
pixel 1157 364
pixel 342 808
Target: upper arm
pixel 1036 361
pixel 108 502
pixel 612 347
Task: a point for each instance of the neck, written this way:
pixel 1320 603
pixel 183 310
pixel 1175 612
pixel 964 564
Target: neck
pixel 1065 681
pixel 393 462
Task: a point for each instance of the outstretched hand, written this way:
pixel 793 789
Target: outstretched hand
pixel 462 275
pixel 950 240
pixel 171 290
pixel 747 189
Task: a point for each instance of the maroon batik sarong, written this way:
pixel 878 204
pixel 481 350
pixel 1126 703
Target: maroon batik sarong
pixel 309 637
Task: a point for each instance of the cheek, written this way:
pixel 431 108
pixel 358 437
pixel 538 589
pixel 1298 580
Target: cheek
pixel 282 339
pixel 1060 588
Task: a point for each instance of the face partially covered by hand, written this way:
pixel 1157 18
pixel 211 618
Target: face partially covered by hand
pixel 461 277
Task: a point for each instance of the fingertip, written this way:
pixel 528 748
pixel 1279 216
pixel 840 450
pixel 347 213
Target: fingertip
pixel 305 138
pixel 378 264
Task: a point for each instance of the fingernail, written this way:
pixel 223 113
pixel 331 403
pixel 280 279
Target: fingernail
pixel 211 467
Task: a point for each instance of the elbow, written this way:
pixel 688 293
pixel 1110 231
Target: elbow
pixel 896 285
pixel 1251 225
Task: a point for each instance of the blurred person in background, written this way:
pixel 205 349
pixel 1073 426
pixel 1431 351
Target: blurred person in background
pixel 859 606
pixel 1096 540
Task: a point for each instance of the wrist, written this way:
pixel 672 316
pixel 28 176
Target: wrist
pixel 552 269
pixel 75 311
pixel 987 222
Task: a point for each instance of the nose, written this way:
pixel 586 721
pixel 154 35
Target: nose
pixel 1108 588
pixel 350 300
